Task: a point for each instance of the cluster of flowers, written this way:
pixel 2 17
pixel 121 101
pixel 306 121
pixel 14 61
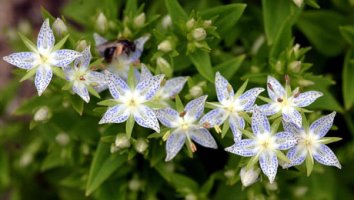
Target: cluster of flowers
pixel 143 97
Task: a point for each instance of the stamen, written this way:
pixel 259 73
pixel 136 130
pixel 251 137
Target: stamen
pixel 206 125
pixel 182 114
pixel 229 88
pixel 270 87
pixel 82 78
pixel 280 100
pixel 217 129
pixel 193 147
pixel 287 79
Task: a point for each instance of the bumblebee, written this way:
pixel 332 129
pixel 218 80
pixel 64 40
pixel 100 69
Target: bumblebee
pixel 110 50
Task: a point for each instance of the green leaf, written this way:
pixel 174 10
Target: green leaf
pixel 321 28
pixel 60 44
pixel 275 125
pixel 201 61
pixel 348 33
pixel 103 166
pixel 175 10
pixel 328 140
pixel 29 74
pixel 225 128
pixel 241 89
pixel 230 67
pixel 93 91
pixel 59 72
pixel 282 156
pixel 309 164
pixel 131 78
pixel 77 103
pixel 108 102
pixel 348 80
pixel 29 44
pixel 129 125
pixel 226 16
pixel 179 104
pixel 46 15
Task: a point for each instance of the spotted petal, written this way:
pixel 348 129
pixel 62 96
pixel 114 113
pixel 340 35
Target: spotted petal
pixel 194 109
pixel 45 40
pixel 306 98
pixel 245 147
pixel 43 77
pixel 269 109
pixel 174 144
pixel 292 128
pixel 285 140
pixel 115 114
pixel 63 57
pixel 203 137
pixel 140 42
pixel 168 117
pixel 296 155
pixel 81 90
pixel 260 123
pixel 321 126
pixel 324 155
pixel 147 88
pixel 214 117
pixel 247 99
pixel 23 60
pixel 146 117
pixel 223 88
pixel 269 164
pixel 275 89
pixel 173 86
pixel 117 87
pixel 236 123
pixel 99 39
pixel 293 116
pixel 83 61
pixel 97 80
pixel 145 73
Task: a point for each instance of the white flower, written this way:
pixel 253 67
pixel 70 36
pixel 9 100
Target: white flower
pixel 185 127
pixel 42 58
pixel 287 103
pixel 264 145
pixel 311 143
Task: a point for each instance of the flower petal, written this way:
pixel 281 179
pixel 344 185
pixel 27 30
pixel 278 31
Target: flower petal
pixel 23 60
pixel 174 144
pixel 43 77
pixel 147 88
pixel 285 140
pixel 292 128
pixel 260 123
pixel 117 87
pixel 145 73
pixel 146 117
pixel 173 86
pixel 245 147
pixel 140 42
pixel 84 59
pixel 115 114
pixel 81 90
pixel 236 122
pixel 97 80
pixel 214 117
pixel 167 116
pixel 45 40
pixel 203 137
pixel 63 57
pixel 99 39
pixel 223 88
pixel 324 155
pixel 269 164
pixel 247 99
pixel 292 115
pixel 269 109
pixel 306 98
pixel 275 89
pixel 194 109
pixel 296 155
pixel 321 126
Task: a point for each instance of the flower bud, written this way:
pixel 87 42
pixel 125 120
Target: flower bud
pixel 295 66
pixel 166 21
pixel 298 3
pixel 229 173
pixel 191 197
pixel 134 184
pixel 305 83
pixel 248 177
pixel 139 20
pixel 199 34
pixel 62 139
pixel 197 90
pixel 295 50
pixel 59 28
pixel 141 145
pixel 165 46
pixel 122 141
pixel 207 23
pixel 42 114
pixel 126 32
pixel 26 159
pixel 81 45
pixel 101 22
pixel 164 66
pixel 190 24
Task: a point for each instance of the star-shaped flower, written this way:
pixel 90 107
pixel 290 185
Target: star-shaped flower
pixel 230 106
pixel 311 143
pixel 130 101
pixel 82 78
pixel 264 145
pixel 287 102
pixel 184 127
pixel 42 58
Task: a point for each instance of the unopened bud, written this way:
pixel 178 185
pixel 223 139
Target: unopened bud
pixel 199 34
pixel 134 184
pixel 59 27
pixel 166 21
pixel 122 141
pixel 42 114
pixel 164 66
pixel 207 23
pixel 81 45
pixel 165 46
pixel 190 24
pixel 191 197
pixel 296 50
pixel 250 176
pixel 62 139
pixel 139 20
pixel 295 66
pixel 126 32
pixel 101 22
pixel 196 91
pixel 305 83
pixel 141 145
pixel 298 3
pixel 279 67
pixel 229 173
pixel 26 159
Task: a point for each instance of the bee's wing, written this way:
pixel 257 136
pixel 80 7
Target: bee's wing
pixel 139 43
pixel 99 40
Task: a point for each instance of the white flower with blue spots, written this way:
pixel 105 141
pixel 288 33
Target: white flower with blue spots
pixel 132 101
pixel 311 142
pixel 185 127
pixel 230 106
pixel 43 58
pixel 264 145
pixel 286 102
pixel 82 77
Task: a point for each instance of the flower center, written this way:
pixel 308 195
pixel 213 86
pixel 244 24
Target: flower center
pixel 265 141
